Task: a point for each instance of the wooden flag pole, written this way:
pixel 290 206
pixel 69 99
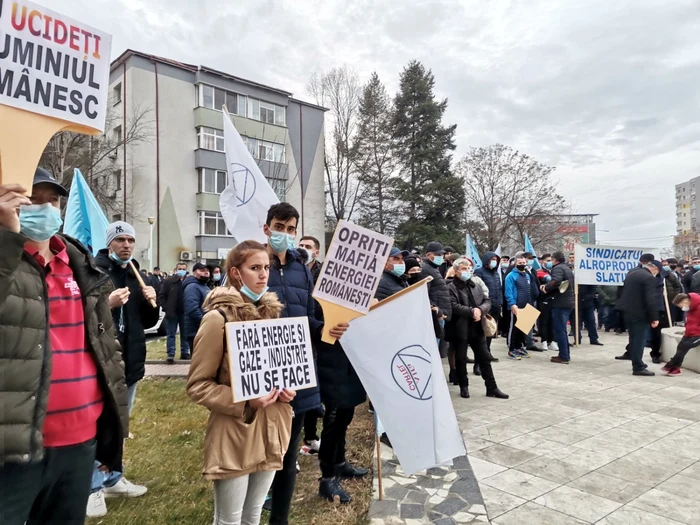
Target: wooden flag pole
pixel 379 467
pixel 668 307
pixel 140 280
pixel 577 335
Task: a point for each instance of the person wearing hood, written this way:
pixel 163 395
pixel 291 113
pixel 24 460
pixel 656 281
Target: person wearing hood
pixel 171 301
pixel 519 294
pixel 245 442
pixel 414 272
pixel 194 291
pixel 470 303
pixel 63 399
pixel 291 280
pixel 132 312
pixel 492 276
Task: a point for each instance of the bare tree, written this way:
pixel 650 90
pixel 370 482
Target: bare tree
pixel 95 157
pixel 339 90
pixel 509 194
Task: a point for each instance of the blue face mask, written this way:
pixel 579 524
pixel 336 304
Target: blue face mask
pixel 39 222
pixel 696 267
pixel 531 263
pixel 255 297
pixel 686 308
pixel 216 277
pixel 493 264
pixel 399 269
pixel 465 276
pixel 438 260
pixel 548 265
pixel 181 273
pixel 281 242
pixel 666 268
pixel 117 260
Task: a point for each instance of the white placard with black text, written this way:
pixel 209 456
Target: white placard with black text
pixel 606 265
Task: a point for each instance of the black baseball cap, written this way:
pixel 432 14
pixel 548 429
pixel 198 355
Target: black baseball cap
pixel 449 249
pixel 199 266
pixel 395 251
pixel 42 176
pixel 435 247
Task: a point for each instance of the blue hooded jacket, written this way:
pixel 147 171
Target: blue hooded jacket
pixel 294 285
pixel 492 279
pixel 194 293
pixel 519 289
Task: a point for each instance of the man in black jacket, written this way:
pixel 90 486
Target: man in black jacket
pixel 392 280
pixel 639 303
pixel 562 303
pixel 586 300
pixel 437 288
pixel 688 276
pixel 171 300
pixel 132 312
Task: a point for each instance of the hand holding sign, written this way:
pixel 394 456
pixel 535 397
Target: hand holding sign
pixel 54 74
pixel 350 276
pixel 11 198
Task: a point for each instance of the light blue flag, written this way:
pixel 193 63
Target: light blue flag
pixel 85 220
pixel 529 248
pixel 472 252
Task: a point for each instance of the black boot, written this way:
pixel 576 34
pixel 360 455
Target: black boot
pixel 331 488
pixel 464 392
pixel 492 359
pixel 348 470
pixel 477 369
pixel 453 377
pixel 496 392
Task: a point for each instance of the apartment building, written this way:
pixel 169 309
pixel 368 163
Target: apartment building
pixel 168 183
pixel 687 239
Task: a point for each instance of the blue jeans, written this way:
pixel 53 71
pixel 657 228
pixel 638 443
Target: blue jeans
pixel 638 331
pixel 604 316
pixel 171 324
pixel 101 479
pixel 559 318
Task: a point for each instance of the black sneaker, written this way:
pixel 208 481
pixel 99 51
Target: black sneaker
pixel 171 360
pixel 348 470
pixel 645 372
pixel 329 489
pixel 185 357
pixel 656 360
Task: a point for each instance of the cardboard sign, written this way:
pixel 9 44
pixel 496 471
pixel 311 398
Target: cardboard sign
pixel 527 317
pixel 267 354
pixel 53 65
pixel 353 267
pixel 606 265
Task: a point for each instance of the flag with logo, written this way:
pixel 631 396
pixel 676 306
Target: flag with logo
pixel 248 196
pixel 472 252
pixel 529 248
pixel 394 353
pixel 85 220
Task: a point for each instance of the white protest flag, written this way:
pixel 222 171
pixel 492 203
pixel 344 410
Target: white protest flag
pixel 394 353
pixel 247 198
pixel 498 249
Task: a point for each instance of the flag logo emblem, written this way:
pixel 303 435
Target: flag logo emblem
pixel 244 182
pixel 411 369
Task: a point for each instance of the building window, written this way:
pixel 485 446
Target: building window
pixel 267 113
pixel 117 93
pixel 266 150
pixel 280 187
pixel 117 178
pixel 212 181
pixel 207 96
pixel 210 138
pixel 253 109
pixel 212 223
pixel 117 133
pixel 280 115
pixel 214 98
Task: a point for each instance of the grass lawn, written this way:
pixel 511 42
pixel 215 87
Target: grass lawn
pixel 166 456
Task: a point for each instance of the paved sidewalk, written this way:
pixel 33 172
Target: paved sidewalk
pixel 166 370
pixel 585 442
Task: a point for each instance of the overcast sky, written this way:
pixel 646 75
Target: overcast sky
pixel 607 91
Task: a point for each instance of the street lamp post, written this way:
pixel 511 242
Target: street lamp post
pixel 151 220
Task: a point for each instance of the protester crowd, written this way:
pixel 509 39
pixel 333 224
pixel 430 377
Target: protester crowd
pixel 73 350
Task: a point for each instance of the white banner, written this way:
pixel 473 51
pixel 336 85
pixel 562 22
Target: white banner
pixel 394 353
pixel 247 198
pixel 353 266
pixel 606 265
pixel 53 65
pixel 274 353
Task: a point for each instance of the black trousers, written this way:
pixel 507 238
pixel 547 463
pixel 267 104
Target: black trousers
pixel 190 341
pixel 331 457
pixel 546 327
pixel 516 339
pixel 656 335
pixel 504 323
pixel 686 345
pixel 496 314
pixel 477 342
pixel 286 479
pixel 311 426
pixel 53 491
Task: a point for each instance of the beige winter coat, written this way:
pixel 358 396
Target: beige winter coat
pixel 238 439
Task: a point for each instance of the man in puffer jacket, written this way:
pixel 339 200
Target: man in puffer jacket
pixel 62 392
pixel 195 290
pixel 291 280
pixel 492 276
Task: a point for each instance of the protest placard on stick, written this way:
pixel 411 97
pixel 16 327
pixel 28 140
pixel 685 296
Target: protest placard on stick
pixel 606 265
pixel 350 274
pixel 54 75
pixel 268 354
